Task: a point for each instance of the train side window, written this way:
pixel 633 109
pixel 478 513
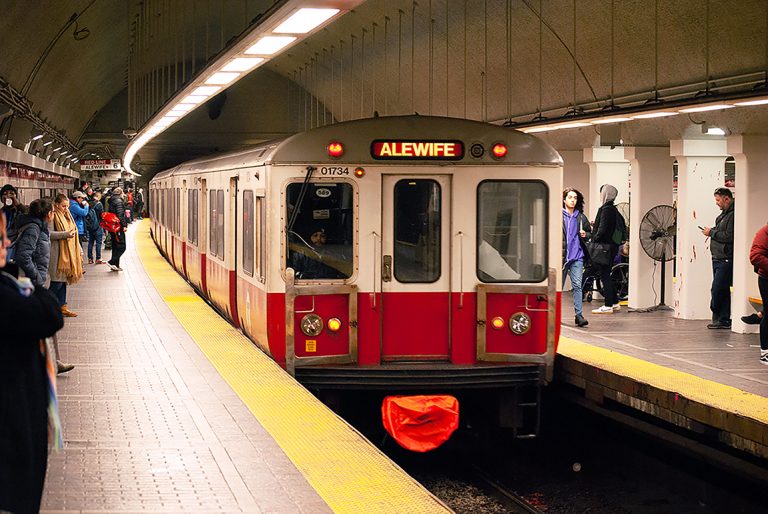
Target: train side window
pixel 178 212
pixel 417 222
pixel 212 217
pixel 220 219
pixel 248 224
pixel 320 230
pixel 261 233
pixel 512 231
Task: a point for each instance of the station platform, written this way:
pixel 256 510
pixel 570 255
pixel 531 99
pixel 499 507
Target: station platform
pixel 170 409
pixel 709 382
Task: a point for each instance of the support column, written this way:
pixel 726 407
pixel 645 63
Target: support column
pixel 606 166
pixel 651 186
pixel 751 213
pixel 701 167
pixel 576 173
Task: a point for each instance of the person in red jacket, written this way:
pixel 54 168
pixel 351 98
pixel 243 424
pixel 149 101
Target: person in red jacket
pixel 758 256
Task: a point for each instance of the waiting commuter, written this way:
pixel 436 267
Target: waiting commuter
pixel 33 245
pixel 138 204
pixel 603 231
pixel 117 206
pixel 12 207
pixel 78 206
pixel 721 246
pixel 758 256
pixel 66 267
pixel 93 228
pixel 576 231
pixel 27 315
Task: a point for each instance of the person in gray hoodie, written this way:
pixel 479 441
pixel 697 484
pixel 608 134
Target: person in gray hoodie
pixel 603 230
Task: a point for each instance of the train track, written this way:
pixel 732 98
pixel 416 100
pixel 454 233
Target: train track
pixel 515 502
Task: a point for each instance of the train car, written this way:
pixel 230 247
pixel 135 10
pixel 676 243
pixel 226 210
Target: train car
pixel 405 254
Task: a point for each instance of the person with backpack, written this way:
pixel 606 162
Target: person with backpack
pixel 609 230
pixel 576 231
pixel 93 227
pixel 79 208
pixel 117 207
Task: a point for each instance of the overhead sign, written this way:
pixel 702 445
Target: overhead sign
pixel 417 150
pixel 100 164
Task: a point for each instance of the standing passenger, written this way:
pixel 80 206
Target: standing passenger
pixel 603 232
pixel 721 246
pixel 26 317
pixel 576 230
pixel 78 206
pixel 95 232
pixel 758 256
pixel 66 265
pixel 33 248
pixel 117 206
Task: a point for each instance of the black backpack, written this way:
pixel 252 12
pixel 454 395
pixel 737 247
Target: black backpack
pixel 91 221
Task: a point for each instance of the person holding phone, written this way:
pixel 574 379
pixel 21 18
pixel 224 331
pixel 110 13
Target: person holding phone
pixel 721 246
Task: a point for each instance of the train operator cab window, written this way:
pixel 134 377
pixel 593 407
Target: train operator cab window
pixel 512 231
pixel 417 230
pixel 320 230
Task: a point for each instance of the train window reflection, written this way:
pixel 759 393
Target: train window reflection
pixel 511 231
pixel 417 230
pixel 320 230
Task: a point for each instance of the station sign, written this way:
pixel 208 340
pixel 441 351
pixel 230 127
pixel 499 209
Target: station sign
pixel 417 150
pixel 100 164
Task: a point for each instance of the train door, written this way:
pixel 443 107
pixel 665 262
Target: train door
pixel 235 226
pixel 415 270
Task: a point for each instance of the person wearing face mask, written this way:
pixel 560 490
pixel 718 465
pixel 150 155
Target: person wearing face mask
pixel 27 316
pixel 12 208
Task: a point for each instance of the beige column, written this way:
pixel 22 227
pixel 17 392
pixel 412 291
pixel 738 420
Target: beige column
pixel 576 173
pixel 751 213
pixel 701 166
pixel 606 166
pixel 651 186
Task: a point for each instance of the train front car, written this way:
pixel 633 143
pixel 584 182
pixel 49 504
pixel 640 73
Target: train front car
pixel 417 255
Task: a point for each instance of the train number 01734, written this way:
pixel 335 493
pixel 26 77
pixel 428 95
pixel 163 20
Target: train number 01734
pixel 334 170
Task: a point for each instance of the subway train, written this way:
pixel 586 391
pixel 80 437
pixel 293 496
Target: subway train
pixel 407 255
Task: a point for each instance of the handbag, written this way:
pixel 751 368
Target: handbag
pixel 600 253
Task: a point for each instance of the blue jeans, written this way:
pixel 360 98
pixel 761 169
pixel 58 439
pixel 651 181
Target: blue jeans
pixel 575 269
pixel 59 290
pixel 95 237
pixel 722 279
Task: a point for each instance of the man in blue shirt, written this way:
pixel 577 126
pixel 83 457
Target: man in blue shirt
pixel 78 206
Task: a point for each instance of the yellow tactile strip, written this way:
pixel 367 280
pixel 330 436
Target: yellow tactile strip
pixel 348 472
pixel 707 392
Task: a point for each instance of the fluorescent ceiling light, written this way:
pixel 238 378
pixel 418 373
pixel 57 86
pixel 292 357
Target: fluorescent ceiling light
pixel 205 90
pixel 540 129
pixel 193 99
pixel 304 20
pixel 715 131
pixel 707 108
pixel 47 143
pixel 659 114
pixel 601 121
pixel 39 136
pixel 181 108
pixel 575 124
pixel 270 44
pixel 752 102
pixel 63 154
pixel 242 64
pixel 56 149
pixel 222 78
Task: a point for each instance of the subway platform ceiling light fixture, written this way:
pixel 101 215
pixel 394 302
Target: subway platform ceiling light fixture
pixel 287 24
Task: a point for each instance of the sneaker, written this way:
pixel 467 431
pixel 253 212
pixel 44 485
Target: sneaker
pixel 752 319
pixel 118 268
pixel 90 261
pixel 764 358
pixel 67 313
pixel 580 321
pixel 99 261
pixel 603 310
pixel 63 368
pixel 616 308
pixel 719 325
pixel 112 267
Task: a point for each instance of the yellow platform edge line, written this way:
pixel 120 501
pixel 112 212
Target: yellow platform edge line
pixel 707 392
pixel 346 470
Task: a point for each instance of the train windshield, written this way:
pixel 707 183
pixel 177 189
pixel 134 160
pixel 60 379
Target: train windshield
pixel 512 231
pixel 320 230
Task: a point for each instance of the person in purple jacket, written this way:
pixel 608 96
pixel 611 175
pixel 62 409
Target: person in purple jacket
pixel 576 231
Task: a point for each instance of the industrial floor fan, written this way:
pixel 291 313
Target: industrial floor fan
pixel 658 230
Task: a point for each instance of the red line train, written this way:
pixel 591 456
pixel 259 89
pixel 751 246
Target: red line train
pixel 405 254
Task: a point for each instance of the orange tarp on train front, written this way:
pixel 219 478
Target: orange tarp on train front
pixel 420 423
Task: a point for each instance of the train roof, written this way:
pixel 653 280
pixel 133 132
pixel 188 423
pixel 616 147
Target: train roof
pixel 357 136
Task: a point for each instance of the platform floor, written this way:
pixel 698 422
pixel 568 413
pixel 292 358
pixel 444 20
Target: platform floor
pixel 151 425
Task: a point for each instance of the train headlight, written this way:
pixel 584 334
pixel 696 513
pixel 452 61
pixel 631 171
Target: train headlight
pixel 311 325
pixel 520 323
pixel 335 149
pixel 359 172
pixel 334 324
pixel 499 150
pixel 497 323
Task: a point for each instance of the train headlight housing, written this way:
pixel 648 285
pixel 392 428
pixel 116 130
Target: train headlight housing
pixel 520 323
pixel 499 150
pixel 497 323
pixel 334 324
pixel 335 149
pixel 311 325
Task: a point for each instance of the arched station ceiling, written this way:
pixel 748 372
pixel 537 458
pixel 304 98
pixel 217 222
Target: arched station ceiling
pixel 494 60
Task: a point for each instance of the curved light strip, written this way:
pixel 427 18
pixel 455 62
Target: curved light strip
pixel 293 21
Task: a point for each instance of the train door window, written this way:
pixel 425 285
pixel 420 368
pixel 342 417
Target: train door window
pixel 512 231
pixel 192 223
pixel 220 223
pixel 212 217
pixel 259 237
pixel 248 225
pixel 320 230
pixel 417 214
pixel 178 212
